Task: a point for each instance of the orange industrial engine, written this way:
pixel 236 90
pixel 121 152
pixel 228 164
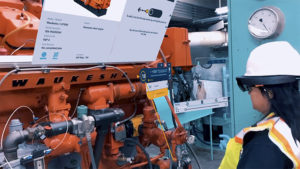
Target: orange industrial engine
pixel 34 7
pixel 80 117
pixel 97 7
pixel 18 29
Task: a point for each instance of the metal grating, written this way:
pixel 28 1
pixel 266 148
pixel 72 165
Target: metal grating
pixel 186 12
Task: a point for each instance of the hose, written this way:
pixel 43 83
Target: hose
pixel 89 141
pixel 18 29
pixel 143 149
pixel 194 154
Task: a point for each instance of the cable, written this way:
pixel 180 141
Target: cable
pixel 2 135
pixel 143 149
pixel 18 29
pixel 12 53
pixel 34 125
pixel 77 102
pixel 68 69
pixel 163 55
pixel 3 165
pixel 194 154
pixel 170 86
pixel 7 74
pixel 7 162
pixel 156 62
pixel 125 74
pixel 130 117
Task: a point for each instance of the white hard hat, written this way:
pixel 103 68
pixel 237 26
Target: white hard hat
pixel 270 64
pixel 274 58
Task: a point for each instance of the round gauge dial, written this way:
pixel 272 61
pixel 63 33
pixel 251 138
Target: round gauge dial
pixel 266 22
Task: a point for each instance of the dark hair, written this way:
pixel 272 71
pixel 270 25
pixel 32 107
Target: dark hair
pixel 286 104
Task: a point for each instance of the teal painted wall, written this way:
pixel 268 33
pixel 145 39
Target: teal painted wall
pixel 165 113
pixel 241 43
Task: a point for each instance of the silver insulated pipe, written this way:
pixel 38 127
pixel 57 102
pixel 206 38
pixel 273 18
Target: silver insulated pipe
pixel 208 39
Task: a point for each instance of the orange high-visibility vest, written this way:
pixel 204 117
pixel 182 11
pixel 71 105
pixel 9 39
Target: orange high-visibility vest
pixel 279 133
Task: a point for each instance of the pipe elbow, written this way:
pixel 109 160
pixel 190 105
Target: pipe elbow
pixel 92 94
pixel 11 143
pixel 98 97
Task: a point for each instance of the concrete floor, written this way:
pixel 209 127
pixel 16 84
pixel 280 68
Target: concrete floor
pixel 205 158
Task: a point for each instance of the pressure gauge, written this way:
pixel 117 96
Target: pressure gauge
pixel 266 22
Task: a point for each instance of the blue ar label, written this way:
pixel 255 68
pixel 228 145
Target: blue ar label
pixel 148 75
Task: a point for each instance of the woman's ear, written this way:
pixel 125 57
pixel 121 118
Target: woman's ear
pixel 269 93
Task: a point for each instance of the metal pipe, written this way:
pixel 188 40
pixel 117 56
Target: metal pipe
pixel 15 138
pixel 209 39
pixel 99 145
pixel 173 111
pixel 103 120
pixel 59 128
pixel 89 141
pixel 11 143
pixel 210 138
pixel 211 20
pixel 99 97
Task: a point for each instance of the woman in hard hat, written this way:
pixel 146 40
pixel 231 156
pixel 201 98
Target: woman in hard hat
pixel 271 80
